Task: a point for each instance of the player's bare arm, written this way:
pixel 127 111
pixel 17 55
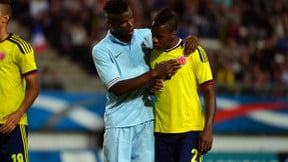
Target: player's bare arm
pixel 156 84
pixel 190 44
pixel 12 119
pixel 169 67
pixel 206 137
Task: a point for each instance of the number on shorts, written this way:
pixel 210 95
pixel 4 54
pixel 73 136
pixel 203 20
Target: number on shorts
pixel 17 157
pixel 195 154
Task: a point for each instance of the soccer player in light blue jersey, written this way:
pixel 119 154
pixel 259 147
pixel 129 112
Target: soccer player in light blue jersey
pixel 120 63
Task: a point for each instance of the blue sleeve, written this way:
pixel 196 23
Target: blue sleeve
pixel 147 37
pixel 105 66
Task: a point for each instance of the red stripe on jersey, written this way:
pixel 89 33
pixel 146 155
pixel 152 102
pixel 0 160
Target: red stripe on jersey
pixel 30 73
pixel 210 82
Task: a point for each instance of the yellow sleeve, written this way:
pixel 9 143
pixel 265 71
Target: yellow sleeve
pixel 201 66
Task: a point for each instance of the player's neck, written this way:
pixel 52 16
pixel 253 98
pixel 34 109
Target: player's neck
pixel 3 35
pixel 175 43
pixel 126 38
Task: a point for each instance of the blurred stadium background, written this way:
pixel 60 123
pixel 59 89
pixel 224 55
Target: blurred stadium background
pixel 247 44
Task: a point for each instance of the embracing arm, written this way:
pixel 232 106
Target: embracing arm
pixel 206 137
pixel 190 44
pixel 124 86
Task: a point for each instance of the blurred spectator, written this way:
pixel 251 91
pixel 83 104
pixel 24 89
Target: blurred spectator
pixel 38 8
pixel 21 11
pixel 78 35
pixel 50 79
pixel 284 72
pixel 38 40
pixel 283 40
pixel 225 78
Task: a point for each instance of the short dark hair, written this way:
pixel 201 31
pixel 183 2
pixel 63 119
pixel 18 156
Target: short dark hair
pixel 6 7
pixel 116 7
pixel 166 17
pixel 5 2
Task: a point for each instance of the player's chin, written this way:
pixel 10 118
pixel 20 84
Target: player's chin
pixel 130 32
pixel 127 36
pixel 155 46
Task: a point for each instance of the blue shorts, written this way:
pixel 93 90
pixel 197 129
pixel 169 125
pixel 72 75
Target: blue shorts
pixel 130 144
pixel 14 145
pixel 177 147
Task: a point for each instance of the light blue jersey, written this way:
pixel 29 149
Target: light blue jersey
pixel 116 61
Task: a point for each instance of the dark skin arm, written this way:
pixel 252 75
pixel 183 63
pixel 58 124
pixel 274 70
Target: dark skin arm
pixel 190 44
pixel 31 94
pixel 165 68
pixel 156 84
pixel 206 136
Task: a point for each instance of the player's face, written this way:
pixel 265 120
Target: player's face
pixel 122 25
pixel 162 37
pixel 3 17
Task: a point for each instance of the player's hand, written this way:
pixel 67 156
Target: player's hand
pixel 11 122
pixel 167 68
pixel 190 44
pixel 156 84
pixel 205 141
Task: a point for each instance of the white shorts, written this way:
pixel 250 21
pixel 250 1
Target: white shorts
pixel 130 144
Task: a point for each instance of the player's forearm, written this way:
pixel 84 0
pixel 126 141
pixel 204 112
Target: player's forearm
pixel 28 100
pixel 129 85
pixel 210 106
pixel 31 94
pixel 167 67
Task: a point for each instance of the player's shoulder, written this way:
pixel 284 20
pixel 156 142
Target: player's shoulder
pixel 103 44
pixel 23 45
pixel 200 54
pixel 142 31
pixel 144 36
pixel 103 47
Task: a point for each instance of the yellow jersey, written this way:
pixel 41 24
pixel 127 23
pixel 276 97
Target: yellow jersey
pixel 16 60
pixel 178 107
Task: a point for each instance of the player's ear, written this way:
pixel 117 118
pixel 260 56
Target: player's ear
pixel 109 24
pixel 5 19
pixel 174 33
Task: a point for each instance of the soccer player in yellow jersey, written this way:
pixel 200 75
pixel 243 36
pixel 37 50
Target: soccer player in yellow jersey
pixel 18 70
pixel 183 131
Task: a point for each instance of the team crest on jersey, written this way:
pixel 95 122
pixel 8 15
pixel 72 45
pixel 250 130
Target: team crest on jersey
pixel 2 55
